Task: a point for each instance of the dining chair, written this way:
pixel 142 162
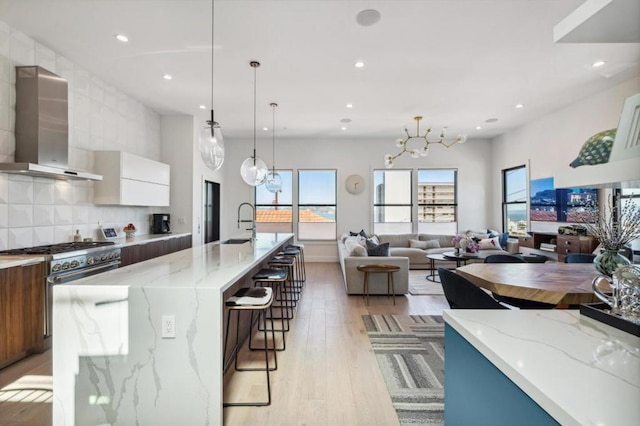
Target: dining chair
pixel 579 258
pixel 463 294
pixel 503 258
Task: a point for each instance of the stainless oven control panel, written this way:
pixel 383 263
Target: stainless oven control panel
pixel 72 263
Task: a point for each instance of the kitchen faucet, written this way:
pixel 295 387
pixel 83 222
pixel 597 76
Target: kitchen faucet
pixel 252 220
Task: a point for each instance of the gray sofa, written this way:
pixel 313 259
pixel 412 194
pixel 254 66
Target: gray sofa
pixel 352 252
pixel 354 279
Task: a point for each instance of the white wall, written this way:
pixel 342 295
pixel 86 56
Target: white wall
pixel 36 211
pixel 551 142
pixel 354 212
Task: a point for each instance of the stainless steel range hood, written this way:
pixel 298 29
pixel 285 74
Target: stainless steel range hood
pixel 42 127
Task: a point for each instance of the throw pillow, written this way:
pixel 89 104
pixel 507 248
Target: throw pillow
pixel 503 237
pixel 433 244
pixel 361 233
pixel 418 244
pixel 489 244
pixel 374 249
pixel 354 248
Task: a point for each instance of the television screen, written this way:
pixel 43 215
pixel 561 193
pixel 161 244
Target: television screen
pixel 549 204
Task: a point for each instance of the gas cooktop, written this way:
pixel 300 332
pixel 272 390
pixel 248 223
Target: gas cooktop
pixel 57 248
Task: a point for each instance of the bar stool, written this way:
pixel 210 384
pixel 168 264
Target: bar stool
pixel 297 273
pixel 251 299
pixel 286 263
pixel 275 279
pixel 300 247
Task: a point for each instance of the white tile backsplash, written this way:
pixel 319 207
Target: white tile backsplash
pixel 20 191
pixel 63 234
pixel 37 211
pixel 43 192
pixel 20 215
pixel 63 215
pixel 20 237
pixel 63 192
pixel 43 235
pixel 4 239
pixel 4 216
pixel 4 188
pixel 43 215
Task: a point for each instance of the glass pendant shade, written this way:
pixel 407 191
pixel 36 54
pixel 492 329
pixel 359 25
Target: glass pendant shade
pixel 254 171
pixel 273 182
pixel 211 145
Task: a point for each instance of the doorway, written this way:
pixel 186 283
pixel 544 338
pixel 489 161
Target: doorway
pixel 211 211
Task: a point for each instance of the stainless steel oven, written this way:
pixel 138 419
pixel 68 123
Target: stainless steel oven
pixel 67 262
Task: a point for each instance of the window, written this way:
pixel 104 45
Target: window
pixel 392 201
pixel 437 205
pixel 317 205
pixel 514 200
pixel 274 212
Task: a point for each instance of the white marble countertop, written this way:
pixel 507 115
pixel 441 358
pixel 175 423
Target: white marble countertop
pixel 211 266
pixel 580 371
pixel 11 261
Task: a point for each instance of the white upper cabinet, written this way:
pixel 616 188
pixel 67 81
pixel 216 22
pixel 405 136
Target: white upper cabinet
pixel 130 180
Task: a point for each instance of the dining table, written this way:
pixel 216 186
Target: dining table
pixel 554 283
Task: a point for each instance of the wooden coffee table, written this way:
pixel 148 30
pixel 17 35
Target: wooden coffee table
pixel 379 269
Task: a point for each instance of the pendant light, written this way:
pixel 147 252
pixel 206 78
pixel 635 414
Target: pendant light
pixel 274 181
pixel 211 144
pixel 253 170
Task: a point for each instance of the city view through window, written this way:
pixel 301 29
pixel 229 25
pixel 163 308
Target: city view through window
pixel 515 200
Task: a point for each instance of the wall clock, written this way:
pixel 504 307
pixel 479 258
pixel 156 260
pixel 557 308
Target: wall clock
pixel 354 184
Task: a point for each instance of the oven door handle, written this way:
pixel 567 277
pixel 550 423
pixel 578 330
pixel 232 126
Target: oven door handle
pixel 59 278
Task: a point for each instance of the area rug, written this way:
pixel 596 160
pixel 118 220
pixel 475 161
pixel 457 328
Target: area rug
pixel 410 353
pixel 419 285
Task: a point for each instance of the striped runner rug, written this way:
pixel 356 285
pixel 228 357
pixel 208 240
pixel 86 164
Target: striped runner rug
pixel 410 353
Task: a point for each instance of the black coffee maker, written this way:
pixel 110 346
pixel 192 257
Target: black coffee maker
pixel 161 223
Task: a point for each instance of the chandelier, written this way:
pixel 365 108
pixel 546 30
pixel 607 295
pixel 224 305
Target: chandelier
pixel 422 151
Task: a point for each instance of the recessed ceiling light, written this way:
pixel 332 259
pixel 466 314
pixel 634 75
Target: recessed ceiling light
pixel 349 105
pixel 478 127
pixel 203 107
pixel 598 64
pixel 359 64
pixel 344 128
pixel 167 76
pixel 490 120
pixel 519 105
pixel 265 128
pixel 368 17
pixel 121 37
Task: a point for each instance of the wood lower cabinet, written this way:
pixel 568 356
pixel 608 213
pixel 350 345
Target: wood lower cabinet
pixel 568 244
pixel 141 252
pixel 22 302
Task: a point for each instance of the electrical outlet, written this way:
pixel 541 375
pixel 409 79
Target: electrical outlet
pixel 168 326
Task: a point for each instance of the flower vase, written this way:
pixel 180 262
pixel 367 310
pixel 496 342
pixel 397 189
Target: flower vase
pixel 608 261
pixel 457 251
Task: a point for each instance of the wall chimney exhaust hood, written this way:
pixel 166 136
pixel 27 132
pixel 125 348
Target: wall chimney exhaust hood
pixel 42 127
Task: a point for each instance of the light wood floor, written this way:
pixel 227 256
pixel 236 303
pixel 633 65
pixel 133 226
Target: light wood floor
pixel 327 376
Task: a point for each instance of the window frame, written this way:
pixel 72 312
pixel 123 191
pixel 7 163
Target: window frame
pixel 300 205
pixel 290 206
pixel 506 204
pixel 434 205
pixel 382 205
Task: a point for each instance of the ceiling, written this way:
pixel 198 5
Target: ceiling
pixel 455 62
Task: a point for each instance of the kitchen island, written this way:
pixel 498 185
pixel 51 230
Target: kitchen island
pixel 111 363
pixel 536 367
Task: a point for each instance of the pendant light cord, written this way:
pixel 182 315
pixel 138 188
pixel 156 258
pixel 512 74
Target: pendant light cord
pixel 212 32
pixel 254 113
pixel 273 127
